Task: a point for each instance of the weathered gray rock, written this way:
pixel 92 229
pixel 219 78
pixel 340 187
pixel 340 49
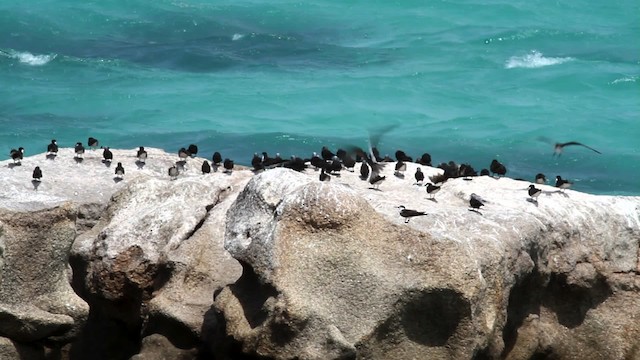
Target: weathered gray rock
pixel 158 347
pixel 156 256
pixel 327 276
pixel 36 299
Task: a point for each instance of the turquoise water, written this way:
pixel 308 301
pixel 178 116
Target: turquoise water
pixel 467 81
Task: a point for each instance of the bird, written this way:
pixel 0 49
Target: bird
pixel 37 174
pixel 408 213
pixel 295 163
pixel 216 158
pixel 432 190
pixel 326 154
pixel 485 172
pixel 79 150
pixel 476 202
pixel 419 175
pixel 183 153
pixel 119 170
pixel 92 143
pixel 401 156
pixel 347 161
pixel 364 171
pixel 534 192
pixel 324 176
pixel 206 168
pixel 107 155
pixel 316 161
pixel 142 155
pixel 540 178
pixel 425 159
pixel 52 148
pixel 17 155
pixel 498 168
pixel 334 166
pixel 558 147
pixel 376 180
pixel 193 150
pixel 401 167
pixel 228 165
pixel 562 184
pixel 256 162
pixel 173 172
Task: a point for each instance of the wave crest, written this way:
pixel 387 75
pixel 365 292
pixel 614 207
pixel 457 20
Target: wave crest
pixel 533 60
pixel 29 58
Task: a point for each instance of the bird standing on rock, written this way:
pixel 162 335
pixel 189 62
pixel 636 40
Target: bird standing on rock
pixel 17 155
pixel 419 175
pixel 432 190
pixel 206 168
pixel 183 154
pixel 79 150
pixel 376 180
pixel 216 158
pixel 562 184
pixel 173 172
pixel 37 174
pixel 193 150
pixel 228 166
pixel 408 213
pixel 540 178
pixel 119 170
pixel 497 168
pixel 92 143
pixel 401 167
pixel 534 192
pixel 475 202
pixel 324 176
pixel 107 155
pixel 52 148
pixel 141 155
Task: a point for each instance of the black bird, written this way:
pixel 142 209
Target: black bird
pixel 93 143
pixel 173 172
pixel 216 158
pixel 419 175
pixel 432 190
pixel 558 147
pixel 228 165
pixel 348 161
pixel 183 153
pixel 401 167
pixel 142 155
pixel 295 163
pixel 497 168
pixel 401 156
pixel 316 161
pixel 425 159
pixel 17 155
pixel 119 170
pixel 79 150
pixel 324 176
pixel 484 172
pixel 364 171
pixel 562 184
pixel 206 168
pixel 193 150
pixel 376 180
pixel 534 192
pixel 376 154
pixel 327 155
pixel 476 202
pixel 541 179
pixel 408 213
pixel 256 162
pixel 37 174
pixel 107 155
pixel 52 148
pixel 334 166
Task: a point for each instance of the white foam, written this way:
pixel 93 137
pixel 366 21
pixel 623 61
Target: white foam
pixel 533 60
pixel 624 79
pixel 236 37
pixel 29 58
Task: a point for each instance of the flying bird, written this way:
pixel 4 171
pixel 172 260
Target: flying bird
pixel 559 147
pixel 408 213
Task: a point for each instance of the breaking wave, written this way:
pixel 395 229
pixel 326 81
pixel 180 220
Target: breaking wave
pixel 533 60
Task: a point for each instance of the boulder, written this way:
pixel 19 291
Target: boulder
pixel 37 302
pixel 331 271
pixel 158 347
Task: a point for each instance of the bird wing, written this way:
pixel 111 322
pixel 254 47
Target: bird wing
pixel 580 144
pixel 409 213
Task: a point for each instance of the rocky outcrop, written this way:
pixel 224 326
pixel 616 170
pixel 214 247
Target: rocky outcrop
pixel 154 260
pixel 330 271
pixel 37 304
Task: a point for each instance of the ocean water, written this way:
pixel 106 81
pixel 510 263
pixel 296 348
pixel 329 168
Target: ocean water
pixel 467 81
